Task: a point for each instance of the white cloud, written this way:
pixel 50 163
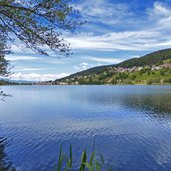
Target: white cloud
pixel 20 69
pixel 19 58
pixel 112 27
pixel 105 60
pixel 83 63
pixel 103 11
pixel 129 40
pixel 19 47
pixel 160 16
pixel 37 77
pixel 149 31
pixel 159 10
pixel 83 66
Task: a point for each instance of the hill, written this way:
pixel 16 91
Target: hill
pixel 151 68
pixel 155 58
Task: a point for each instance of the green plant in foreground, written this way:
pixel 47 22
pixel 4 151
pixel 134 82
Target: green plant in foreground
pixel 65 163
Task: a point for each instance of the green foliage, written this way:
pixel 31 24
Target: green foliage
pixel 83 160
pixel 4 64
pixel 133 77
pixel 167 80
pixel 162 72
pixel 114 81
pixel 38 23
pixel 91 164
pixel 35 24
pixel 63 156
pixel 60 159
pixel 110 75
pixel 144 76
pixel 155 58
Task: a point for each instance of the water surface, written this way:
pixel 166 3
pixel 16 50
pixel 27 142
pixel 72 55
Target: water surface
pixel 131 125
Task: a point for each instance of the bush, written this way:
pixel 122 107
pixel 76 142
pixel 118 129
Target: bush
pixel 133 77
pixel 149 82
pixel 127 81
pixel 167 80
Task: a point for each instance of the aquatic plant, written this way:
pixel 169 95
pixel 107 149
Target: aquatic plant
pixel 96 161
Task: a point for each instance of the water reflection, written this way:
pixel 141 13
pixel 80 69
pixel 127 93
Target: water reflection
pixel 153 101
pixel 131 125
pixel 5 165
pixel 155 106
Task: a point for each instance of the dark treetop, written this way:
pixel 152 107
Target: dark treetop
pixel 38 23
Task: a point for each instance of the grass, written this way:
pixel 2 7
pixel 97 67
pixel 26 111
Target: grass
pixel 95 162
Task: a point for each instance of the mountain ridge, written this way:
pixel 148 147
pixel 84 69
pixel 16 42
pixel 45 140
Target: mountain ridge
pixel 99 73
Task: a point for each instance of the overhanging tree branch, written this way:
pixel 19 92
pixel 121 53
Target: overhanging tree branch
pixel 39 23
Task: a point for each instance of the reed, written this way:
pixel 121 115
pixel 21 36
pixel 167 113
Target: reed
pixel 95 162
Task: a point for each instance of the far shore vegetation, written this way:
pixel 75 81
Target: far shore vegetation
pixel 154 68
pixel 145 76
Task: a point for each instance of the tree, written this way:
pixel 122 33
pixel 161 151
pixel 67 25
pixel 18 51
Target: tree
pixel 38 23
pixel 4 64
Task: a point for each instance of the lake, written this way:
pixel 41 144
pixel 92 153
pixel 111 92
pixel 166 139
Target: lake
pixel 131 125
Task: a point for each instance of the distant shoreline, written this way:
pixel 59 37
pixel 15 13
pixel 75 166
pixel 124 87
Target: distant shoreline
pixel 84 85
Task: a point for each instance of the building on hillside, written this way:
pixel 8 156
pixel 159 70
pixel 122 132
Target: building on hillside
pixel 167 65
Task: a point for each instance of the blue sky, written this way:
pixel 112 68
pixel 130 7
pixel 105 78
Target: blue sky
pixel 115 30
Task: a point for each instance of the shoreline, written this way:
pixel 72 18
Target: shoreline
pixel 85 85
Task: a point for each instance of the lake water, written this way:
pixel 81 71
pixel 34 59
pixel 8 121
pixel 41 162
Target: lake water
pixel 131 125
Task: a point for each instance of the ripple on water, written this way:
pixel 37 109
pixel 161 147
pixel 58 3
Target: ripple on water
pixel 131 125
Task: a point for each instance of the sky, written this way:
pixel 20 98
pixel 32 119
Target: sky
pixel 115 30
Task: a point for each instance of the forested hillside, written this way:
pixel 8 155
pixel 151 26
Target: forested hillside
pixel 155 58
pixel 148 69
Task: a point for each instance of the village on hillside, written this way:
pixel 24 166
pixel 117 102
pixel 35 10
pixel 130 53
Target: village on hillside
pixel 111 70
